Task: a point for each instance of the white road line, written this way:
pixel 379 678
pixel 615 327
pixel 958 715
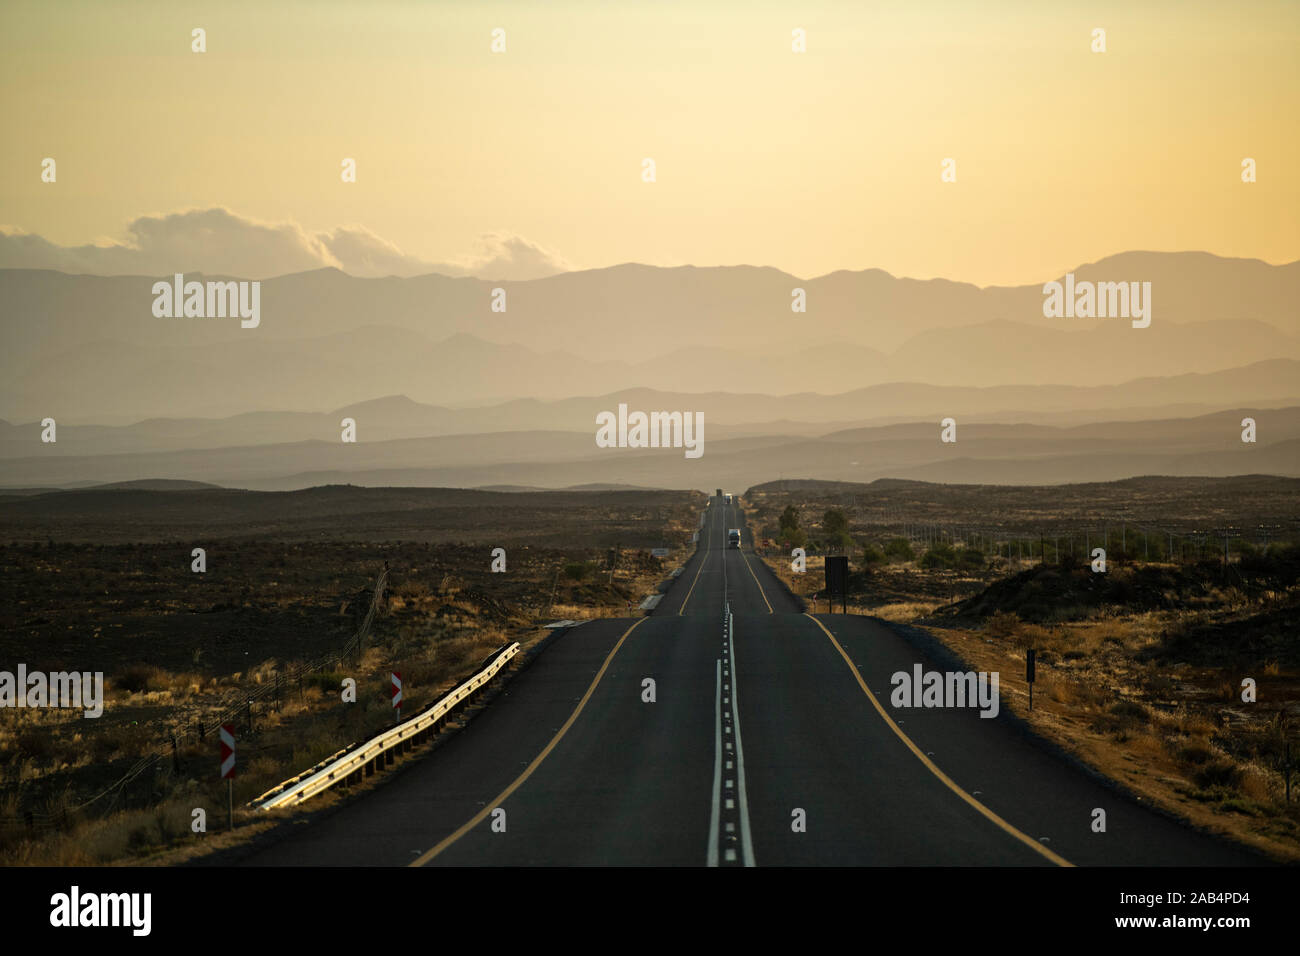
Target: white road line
pixel 717 773
pixel 746 841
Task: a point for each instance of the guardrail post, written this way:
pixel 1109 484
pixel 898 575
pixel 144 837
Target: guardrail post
pixel 407 738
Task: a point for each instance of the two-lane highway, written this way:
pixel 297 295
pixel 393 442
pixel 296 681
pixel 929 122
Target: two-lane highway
pixel 731 729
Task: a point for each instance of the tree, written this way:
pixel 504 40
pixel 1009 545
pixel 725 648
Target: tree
pixel 871 555
pixel 794 538
pixel 789 518
pixel 834 523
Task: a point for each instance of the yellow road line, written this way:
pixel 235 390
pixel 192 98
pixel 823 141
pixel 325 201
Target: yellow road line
pixel 528 771
pixel 929 764
pixel 682 610
pixel 756 581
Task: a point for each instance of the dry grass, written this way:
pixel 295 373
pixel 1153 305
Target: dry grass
pixel 303 730
pixel 444 612
pixel 1162 735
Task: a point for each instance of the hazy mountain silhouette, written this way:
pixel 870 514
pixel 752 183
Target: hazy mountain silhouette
pixel 89 348
pixel 1264 384
pixel 992 453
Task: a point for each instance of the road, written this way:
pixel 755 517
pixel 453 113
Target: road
pixel 770 741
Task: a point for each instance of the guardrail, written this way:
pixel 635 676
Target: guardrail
pixel 363 759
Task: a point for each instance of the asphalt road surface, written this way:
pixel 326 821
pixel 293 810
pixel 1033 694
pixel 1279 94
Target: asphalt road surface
pixel 770 741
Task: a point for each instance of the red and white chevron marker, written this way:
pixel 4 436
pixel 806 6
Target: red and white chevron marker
pixel 397 692
pixel 228 768
pixel 227 751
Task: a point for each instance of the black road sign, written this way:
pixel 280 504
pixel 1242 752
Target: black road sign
pixel 837 579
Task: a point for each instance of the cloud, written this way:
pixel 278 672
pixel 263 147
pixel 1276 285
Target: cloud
pixel 219 242
pixel 360 252
pixel 505 256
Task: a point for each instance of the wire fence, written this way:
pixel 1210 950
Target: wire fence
pixel 235 706
pixel 1020 542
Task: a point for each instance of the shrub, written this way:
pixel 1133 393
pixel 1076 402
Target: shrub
pixel 1219 773
pixel 899 549
pixel 1002 624
pixel 794 538
pixel 577 570
pixel 939 556
pixel 140 677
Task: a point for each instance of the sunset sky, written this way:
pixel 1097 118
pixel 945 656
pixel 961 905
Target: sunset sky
pixel 807 162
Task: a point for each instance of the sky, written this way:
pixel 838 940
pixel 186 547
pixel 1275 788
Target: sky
pixel 531 160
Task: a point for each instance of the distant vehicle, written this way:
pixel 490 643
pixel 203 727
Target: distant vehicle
pixel 727 499
pixel 733 538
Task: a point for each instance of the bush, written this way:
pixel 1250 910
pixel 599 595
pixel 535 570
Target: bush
pixel 899 549
pixel 35 744
pixel 327 681
pixel 842 540
pixel 1219 773
pixel 1002 624
pixel 1195 753
pixel 871 555
pixel 577 570
pixel 140 677
pixel 939 556
pixel 794 538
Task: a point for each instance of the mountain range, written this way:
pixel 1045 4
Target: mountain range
pixel 88 348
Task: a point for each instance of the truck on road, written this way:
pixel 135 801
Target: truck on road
pixel 733 538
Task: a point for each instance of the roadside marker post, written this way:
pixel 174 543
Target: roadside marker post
pixel 837 575
pixel 228 769
pixel 397 694
pixel 1029 674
